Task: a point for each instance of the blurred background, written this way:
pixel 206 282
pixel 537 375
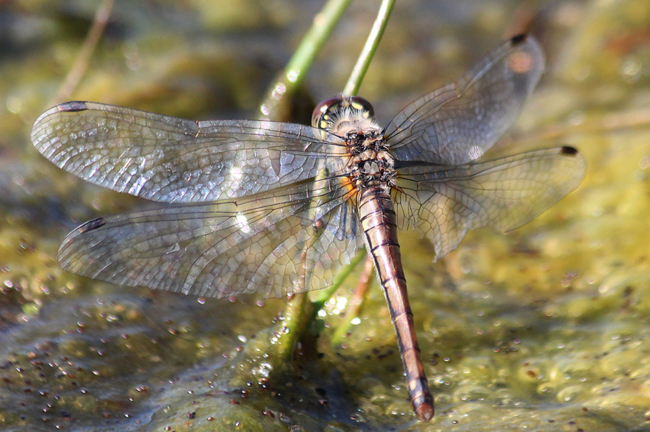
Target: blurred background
pixel 545 328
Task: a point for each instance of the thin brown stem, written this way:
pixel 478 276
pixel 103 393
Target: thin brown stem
pixel 83 57
pixel 357 301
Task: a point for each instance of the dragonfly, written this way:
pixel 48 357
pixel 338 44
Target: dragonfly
pixel 273 209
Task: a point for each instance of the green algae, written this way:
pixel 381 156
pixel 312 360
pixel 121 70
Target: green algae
pixel 545 328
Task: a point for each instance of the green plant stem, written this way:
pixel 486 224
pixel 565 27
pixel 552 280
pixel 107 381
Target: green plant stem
pixel 295 319
pixel 276 101
pixel 351 88
pixel 363 62
pixel 299 312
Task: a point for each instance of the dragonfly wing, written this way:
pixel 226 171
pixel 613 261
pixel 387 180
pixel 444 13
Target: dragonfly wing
pixel 261 244
pixel 459 122
pixel 443 203
pixel 168 159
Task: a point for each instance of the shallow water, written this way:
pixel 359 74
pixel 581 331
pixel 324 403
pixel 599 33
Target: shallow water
pixel 545 328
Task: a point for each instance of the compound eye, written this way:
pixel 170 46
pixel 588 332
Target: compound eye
pixel 361 104
pixel 323 112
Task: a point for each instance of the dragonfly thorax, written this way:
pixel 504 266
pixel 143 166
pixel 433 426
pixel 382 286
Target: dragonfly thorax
pixel 372 167
pixel 351 118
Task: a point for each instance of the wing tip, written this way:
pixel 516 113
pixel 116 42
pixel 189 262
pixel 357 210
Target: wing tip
pixel 39 124
pixel 73 255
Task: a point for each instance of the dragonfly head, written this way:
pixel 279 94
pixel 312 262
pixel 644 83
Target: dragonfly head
pixel 344 114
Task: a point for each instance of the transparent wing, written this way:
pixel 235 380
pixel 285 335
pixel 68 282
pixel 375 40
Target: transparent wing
pixel 175 160
pixel 443 203
pixel 278 242
pixel 459 122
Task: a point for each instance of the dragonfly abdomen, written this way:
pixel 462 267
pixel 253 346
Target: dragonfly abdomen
pixel 379 222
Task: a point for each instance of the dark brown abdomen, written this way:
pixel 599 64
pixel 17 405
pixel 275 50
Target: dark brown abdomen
pixel 379 224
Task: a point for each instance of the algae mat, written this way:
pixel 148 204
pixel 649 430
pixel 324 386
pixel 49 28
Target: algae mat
pixel 545 328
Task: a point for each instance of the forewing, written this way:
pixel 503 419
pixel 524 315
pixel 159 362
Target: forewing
pixel 169 159
pixel 443 203
pixel 459 122
pixel 279 242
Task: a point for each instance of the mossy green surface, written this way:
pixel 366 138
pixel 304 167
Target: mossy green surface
pixel 545 328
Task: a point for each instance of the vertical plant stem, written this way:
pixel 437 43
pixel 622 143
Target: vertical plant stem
pixel 363 62
pixel 298 311
pixel 295 319
pixel 274 105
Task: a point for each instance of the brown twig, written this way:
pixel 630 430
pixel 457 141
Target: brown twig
pixel 83 57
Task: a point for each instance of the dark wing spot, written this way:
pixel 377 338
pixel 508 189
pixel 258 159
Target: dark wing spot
pixel 518 39
pixel 569 151
pixel 91 225
pixel 73 106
